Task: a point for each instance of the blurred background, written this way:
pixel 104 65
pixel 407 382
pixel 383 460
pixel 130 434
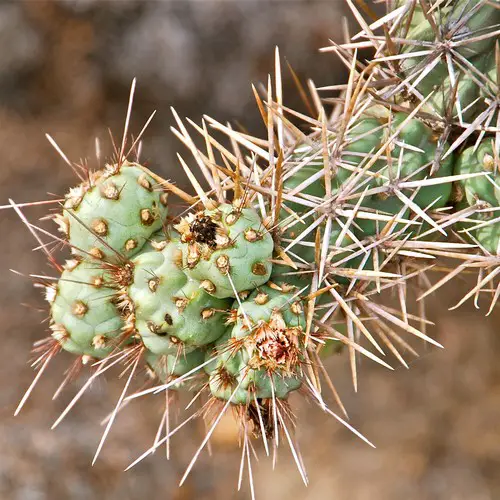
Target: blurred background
pixel 65 69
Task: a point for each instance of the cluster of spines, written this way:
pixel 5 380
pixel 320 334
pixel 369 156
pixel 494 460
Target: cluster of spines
pixel 402 172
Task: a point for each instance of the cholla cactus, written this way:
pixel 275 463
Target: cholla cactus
pixel 168 368
pixel 261 356
pixel 169 311
pixel 298 238
pixel 118 206
pixel 227 249
pixel 84 317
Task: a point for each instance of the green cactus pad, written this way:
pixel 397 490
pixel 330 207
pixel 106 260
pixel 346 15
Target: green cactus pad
pixel 230 374
pixel 228 249
pixel 112 216
pixel 84 318
pixel 263 351
pixel 169 309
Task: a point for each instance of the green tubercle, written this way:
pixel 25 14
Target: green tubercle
pixel 483 191
pixel 474 20
pixel 112 215
pixel 227 249
pixel 170 367
pixel 480 160
pixel 343 254
pixel 84 317
pixel 169 310
pixel 466 37
pixel 261 356
pixel 412 155
pixel 480 229
pixel 305 162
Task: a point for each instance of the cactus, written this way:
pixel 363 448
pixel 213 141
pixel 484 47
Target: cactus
pixel 166 308
pixel 482 188
pixel 168 368
pixel 227 249
pixel 260 357
pixel 482 192
pixel 113 214
pixel 411 158
pixel 288 256
pixel 449 41
pixel 84 317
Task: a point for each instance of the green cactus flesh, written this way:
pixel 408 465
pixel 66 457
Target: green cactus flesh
pixel 304 163
pixel 462 20
pixel 411 158
pixel 490 94
pixel 112 216
pixel 228 249
pixel 230 377
pixel 260 357
pixel 488 238
pixel 469 19
pixel 170 309
pixel 467 92
pixel 478 230
pixel 342 252
pixel 170 367
pixel 482 192
pixel 484 188
pixel 406 164
pixel 84 318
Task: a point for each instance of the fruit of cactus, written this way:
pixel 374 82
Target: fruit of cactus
pixel 227 249
pixel 83 312
pixel 261 356
pixel 165 308
pixel 111 215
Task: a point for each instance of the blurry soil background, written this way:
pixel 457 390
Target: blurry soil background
pixel 65 69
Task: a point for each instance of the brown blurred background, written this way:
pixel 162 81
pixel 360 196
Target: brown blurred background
pixel 65 69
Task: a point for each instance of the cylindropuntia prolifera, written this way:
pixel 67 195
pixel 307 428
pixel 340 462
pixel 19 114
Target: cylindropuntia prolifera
pixel 305 232
pixel 261 355
pixel 83 313
pixel 168 368
pixel 166 308
pixel 227 249
pixel 111 215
